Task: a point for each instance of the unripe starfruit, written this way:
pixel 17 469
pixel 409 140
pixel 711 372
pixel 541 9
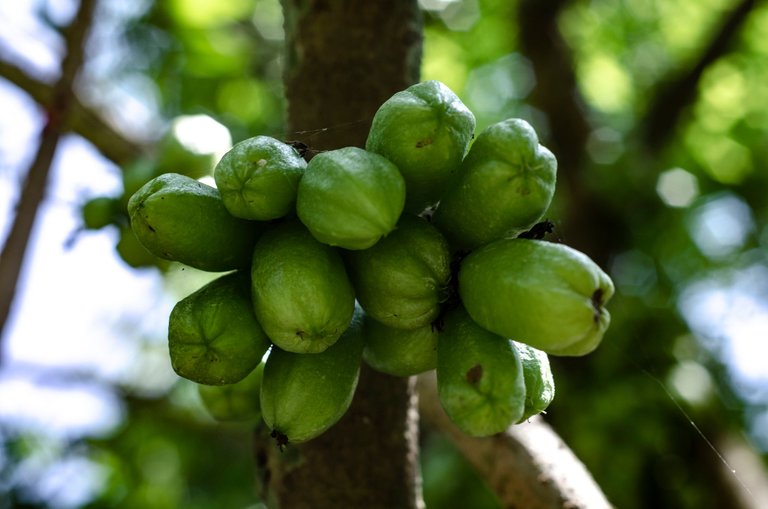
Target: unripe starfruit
pixel 302 395
pixel 213 335
pixel 399 352
pixel 350 198
pixel 133 253
pixel 181 219
pixel 403 278
pixel 547 295
pixel 301 294
pixel 505 185
pixel 425 130
pixel 539 382
pixel 479 377
pixel 258 178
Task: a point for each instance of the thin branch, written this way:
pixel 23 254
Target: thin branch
pixel 678 92
pixel 528 466
pixel 83 120
pixel 33 189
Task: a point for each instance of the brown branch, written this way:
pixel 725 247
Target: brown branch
pixel 83 120
pixel 33 190
pixel 678 92
pixel 528 466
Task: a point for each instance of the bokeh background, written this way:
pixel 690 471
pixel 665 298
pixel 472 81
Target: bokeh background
pixel 656 109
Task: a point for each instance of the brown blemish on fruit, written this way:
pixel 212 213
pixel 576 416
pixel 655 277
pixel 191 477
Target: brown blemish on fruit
pixel 597 304
pixel 474 374
pixel 300 333
pixel 423 143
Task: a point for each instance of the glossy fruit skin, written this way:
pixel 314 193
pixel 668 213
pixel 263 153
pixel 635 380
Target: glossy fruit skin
pixel 213 335
pixel 181 219
pixel 350 198
pixel 258 178
pixel 133 253
pixel 302 395
pixel 300 289
pixel 399 352
pixel 479 377
pixel 547 295
pixel 539 382
pixel 505 185
pixel 234 402
pixel 425 130
pixel 402 280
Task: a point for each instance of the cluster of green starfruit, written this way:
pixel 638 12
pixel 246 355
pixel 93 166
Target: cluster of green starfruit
pixel 406 255
pixel 175 151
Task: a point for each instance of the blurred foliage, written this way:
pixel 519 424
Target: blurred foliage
pixel 692 218
pixel 218 58
pixel 166 456
pixel 449 481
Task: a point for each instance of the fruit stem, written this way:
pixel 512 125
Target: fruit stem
pixel 597 303
pixel 280 439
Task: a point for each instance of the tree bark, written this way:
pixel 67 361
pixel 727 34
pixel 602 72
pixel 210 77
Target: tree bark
pixel 344 58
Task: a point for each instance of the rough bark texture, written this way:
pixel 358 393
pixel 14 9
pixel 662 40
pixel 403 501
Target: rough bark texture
pixel 528 466
pixel 344 59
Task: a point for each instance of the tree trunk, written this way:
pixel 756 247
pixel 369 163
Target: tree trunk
pixel 344 58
